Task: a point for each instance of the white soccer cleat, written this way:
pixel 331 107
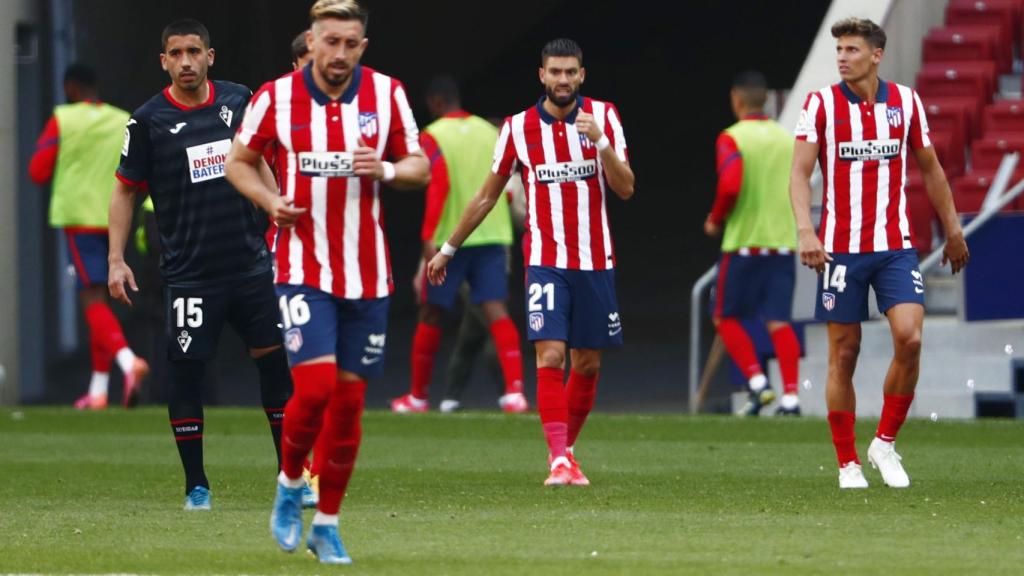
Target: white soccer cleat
pixel 883 456
pixel 448 405
pixel 851 476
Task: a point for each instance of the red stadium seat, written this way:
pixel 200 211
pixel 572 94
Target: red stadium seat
pixel 969 108
pixel 1003 117
pixel 953 70
pixel 988 153
pixel 921 214
pixel 949 43
pixel 969 190
pixel 1002 14
pixel 951 158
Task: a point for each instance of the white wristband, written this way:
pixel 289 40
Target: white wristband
pixel 447 249
pixel 602 142
pixel 389 171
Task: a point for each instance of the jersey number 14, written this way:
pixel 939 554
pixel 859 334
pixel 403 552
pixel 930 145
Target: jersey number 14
pixel 837 278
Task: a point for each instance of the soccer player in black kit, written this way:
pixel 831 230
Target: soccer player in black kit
pixel 215 264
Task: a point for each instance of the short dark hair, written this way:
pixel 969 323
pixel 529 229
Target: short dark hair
pixel 299 47
pixel 752 88
pixel 444 87
pixel 186 27
pixel 561 47
pixel 80 73
pixel 871 33
pixel 340 9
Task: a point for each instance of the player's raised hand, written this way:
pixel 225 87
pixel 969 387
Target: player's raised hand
pixel 119 275
pixel 956 252
pixel 812 253
pixel 365 161
pixel 437 269
pixel 284 213
pixel 586 125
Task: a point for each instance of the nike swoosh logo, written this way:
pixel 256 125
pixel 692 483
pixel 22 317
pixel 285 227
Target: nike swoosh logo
pixel 614 332
pixel 367 361
pixel 177 128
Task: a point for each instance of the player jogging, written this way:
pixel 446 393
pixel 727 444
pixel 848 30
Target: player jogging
pixel 859 130
pixel 334 121
pixel 569 149
pixel 215 264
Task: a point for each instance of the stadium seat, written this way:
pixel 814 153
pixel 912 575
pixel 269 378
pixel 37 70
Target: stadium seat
pixel 1002 14
pixel 951 158
pixel 969 81
pixel 988 153
pixel 986 69
pixel 969 190
pixel 949 43
pixel 921 215
pixel 1003 117
pixel 968 108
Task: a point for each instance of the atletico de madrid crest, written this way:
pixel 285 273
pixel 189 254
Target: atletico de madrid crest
pixel 828 300
pixel 536 321
pixel 895 116
pixel 368 124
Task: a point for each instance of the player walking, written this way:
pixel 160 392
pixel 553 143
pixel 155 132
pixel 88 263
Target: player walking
pixel 215 264
pixel 569 149
pixel 334 121
pixel 859 130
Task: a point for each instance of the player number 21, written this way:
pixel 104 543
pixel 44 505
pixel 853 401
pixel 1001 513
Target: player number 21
pixel 190 310
pixel 837 279
pixel 538 291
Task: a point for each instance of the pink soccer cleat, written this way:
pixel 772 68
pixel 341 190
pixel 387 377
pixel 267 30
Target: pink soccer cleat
pixel 578 477
pixel 408 404
pixel 561 472
pixel 90 402
pixel 514 403
pixel 133 382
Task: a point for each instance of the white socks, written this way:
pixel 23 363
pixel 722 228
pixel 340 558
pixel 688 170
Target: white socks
pixel 321 519
pixel 99 383
pixel 789 401
pixel 758 382
pixel 289 483
pixel 125 359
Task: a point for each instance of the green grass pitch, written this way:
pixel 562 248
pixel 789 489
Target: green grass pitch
pixel 462 494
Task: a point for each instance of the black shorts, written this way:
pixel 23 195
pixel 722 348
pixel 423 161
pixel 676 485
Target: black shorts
pixel 196 314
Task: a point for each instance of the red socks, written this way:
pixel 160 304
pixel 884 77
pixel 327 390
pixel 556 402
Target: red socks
pixel 424 347
pixel 787 351
pixel 304 414
pixel 581 391
pixel 105 335
pixel 339 443
pixel 843 437
pixel 553 409
pixel 506 342
pixel 894 412
pixel 740 347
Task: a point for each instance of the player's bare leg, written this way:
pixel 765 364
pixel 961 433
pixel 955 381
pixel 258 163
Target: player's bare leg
pixel 787 352
pixel 841 399
pixel 506 344
pixel 906 322
pixel 580 392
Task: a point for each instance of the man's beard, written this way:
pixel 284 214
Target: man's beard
pixel 562 101
pixel 333 78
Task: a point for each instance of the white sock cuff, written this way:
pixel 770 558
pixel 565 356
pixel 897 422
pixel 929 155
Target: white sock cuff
pixel 322 519
pixel 560 461
pixel 758 382
pixel 789 401
pixel 99 383
pixel 125 359
pixel 287 482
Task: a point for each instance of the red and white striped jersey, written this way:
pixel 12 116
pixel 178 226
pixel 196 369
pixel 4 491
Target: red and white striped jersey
pixel 562 172
pixel 338 246
pixel 863 158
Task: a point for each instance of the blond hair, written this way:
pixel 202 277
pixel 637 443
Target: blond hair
pixel 340 9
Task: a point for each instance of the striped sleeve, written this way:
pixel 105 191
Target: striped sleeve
pixel 404 136
pixel 504 151
pixel 615 132
pixel 259 124
pixel 918 126
pixel 811 126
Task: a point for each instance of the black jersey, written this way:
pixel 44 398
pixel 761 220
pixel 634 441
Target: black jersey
pixel 209 232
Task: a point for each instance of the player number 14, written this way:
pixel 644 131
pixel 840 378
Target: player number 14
pixel 837 278
pixel 190 310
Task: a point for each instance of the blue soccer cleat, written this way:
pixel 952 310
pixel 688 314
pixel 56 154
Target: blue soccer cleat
pixel 286 518
pixel 325 543
pixel 309 496
pixel 198 499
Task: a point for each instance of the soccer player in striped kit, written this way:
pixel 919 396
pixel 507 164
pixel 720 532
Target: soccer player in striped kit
pixel 859 130
pixel 570 149
pixel 335 122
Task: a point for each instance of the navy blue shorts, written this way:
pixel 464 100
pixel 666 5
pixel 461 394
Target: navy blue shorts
pixel 576 306
pixel 88 250
pixel 755 286
pixel 316 324
pixel 843 288
pixel 196 314
pixel 484 267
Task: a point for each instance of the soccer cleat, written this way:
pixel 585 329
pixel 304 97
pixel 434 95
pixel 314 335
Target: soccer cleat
pixel 309 496
pixel 883 456
pixel 448 405
pixel 756 401
pixel 286 518
pixel 514 403
pixel 90 402
pixel 198 499
pixel 851 476
pixel 133 382
pixel 561 472
pixel 578 478
pixel 325 543
pixel 409 404
pixel 782 411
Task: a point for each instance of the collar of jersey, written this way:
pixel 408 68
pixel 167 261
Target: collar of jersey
pixel 323 99
pixel 549 119
pixel 881 96
pixel 180 106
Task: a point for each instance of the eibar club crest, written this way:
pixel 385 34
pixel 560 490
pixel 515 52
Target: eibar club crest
pixel 184 340
pixel 828 300
pixel 895 116
pixel 226 114
pixel 368 124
